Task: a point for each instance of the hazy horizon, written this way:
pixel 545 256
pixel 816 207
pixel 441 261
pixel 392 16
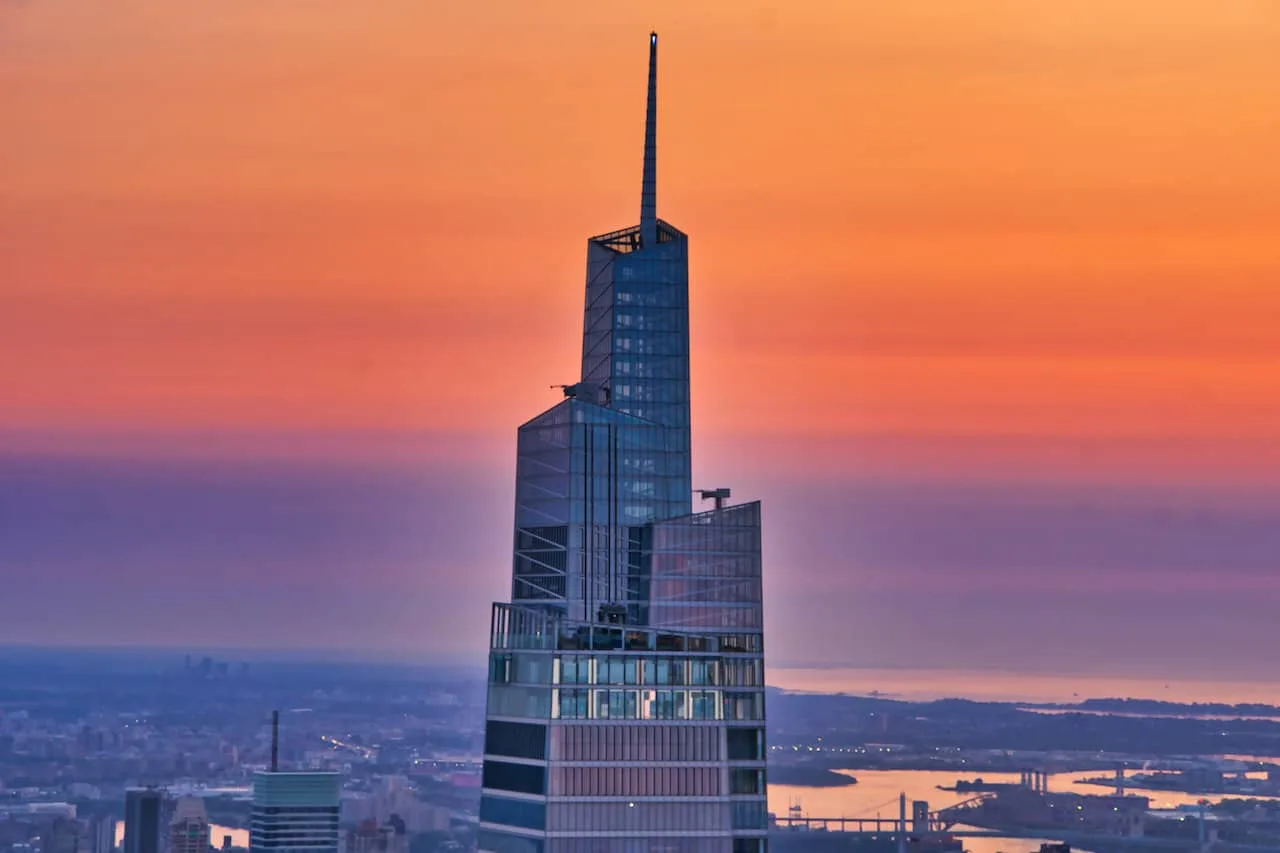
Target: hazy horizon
pixel 900 683
pixel 366 557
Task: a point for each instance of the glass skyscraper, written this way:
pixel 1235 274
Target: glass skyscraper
pixel 626 682
pixel 294 812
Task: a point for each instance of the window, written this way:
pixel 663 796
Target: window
pixel 521 778
pixel 745 781
pixel 515 701
pixel 750 815
pixel 704 704
pixel 518 740
pixel 670 643
pixel 638 640
pixel 568 670
pixel 613 672
pixel 745 744
pixel 742 672
pixel 680 701
pixel 573 704
pixel 531 668
pixel 511 812
pixel 700 671
pixel 499 669
pixel 606 638
pixel 743 706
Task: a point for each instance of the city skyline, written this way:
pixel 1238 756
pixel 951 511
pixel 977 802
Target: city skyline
pixel 985 305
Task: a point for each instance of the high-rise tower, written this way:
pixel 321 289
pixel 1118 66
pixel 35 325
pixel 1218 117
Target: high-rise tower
pixel 626 694
pixel 293 812
pixel 189 827
pixel 143 811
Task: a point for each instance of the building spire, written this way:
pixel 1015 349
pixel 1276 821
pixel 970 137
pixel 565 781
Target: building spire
pixel 649 184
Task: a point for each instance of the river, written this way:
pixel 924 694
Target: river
pixel 877 790
pixel 877 794
pixel 239 837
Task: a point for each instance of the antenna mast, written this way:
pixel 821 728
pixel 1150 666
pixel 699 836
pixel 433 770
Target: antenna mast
pixel 275 741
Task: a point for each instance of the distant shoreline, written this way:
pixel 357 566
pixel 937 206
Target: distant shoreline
pixel 809 777
pixel 1048 690
pixel 1112 706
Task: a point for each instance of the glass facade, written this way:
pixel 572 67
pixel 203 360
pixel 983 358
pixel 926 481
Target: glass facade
pixel 294 812
pixel 626 705
pixel 636 335
pixel 588 481
pixel 704 570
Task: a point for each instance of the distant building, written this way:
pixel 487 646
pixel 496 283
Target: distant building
pixel 103 835
pixel 371 838
pixel 358 808
pixel 365 838
pixel 424 817
pixel 142 816
pixel 189 828
pixel 64 835
pixel 48 810
pixel 294 813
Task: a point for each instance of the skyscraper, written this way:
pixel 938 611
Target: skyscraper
pixel 293 812
pixel 103 835
pixel 65 835
pixel 143 809
pixel 189 828
pixel 626 685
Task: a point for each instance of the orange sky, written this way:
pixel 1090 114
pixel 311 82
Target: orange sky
pixel 918 228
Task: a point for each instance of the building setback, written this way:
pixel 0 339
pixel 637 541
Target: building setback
pixel 626 685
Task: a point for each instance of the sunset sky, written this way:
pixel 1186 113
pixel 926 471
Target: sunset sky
pixel 985 307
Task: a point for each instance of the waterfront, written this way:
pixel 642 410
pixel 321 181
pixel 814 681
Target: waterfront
pixel 1136 715
pixel 876 794
pixel 923 685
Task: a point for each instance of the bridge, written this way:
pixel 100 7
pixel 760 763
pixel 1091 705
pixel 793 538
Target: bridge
pixel 922 821
pixel 950 822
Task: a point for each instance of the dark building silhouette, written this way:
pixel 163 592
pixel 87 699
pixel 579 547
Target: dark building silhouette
pixel 143 819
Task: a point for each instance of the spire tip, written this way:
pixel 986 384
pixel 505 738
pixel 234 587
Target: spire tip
pixel 649 181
